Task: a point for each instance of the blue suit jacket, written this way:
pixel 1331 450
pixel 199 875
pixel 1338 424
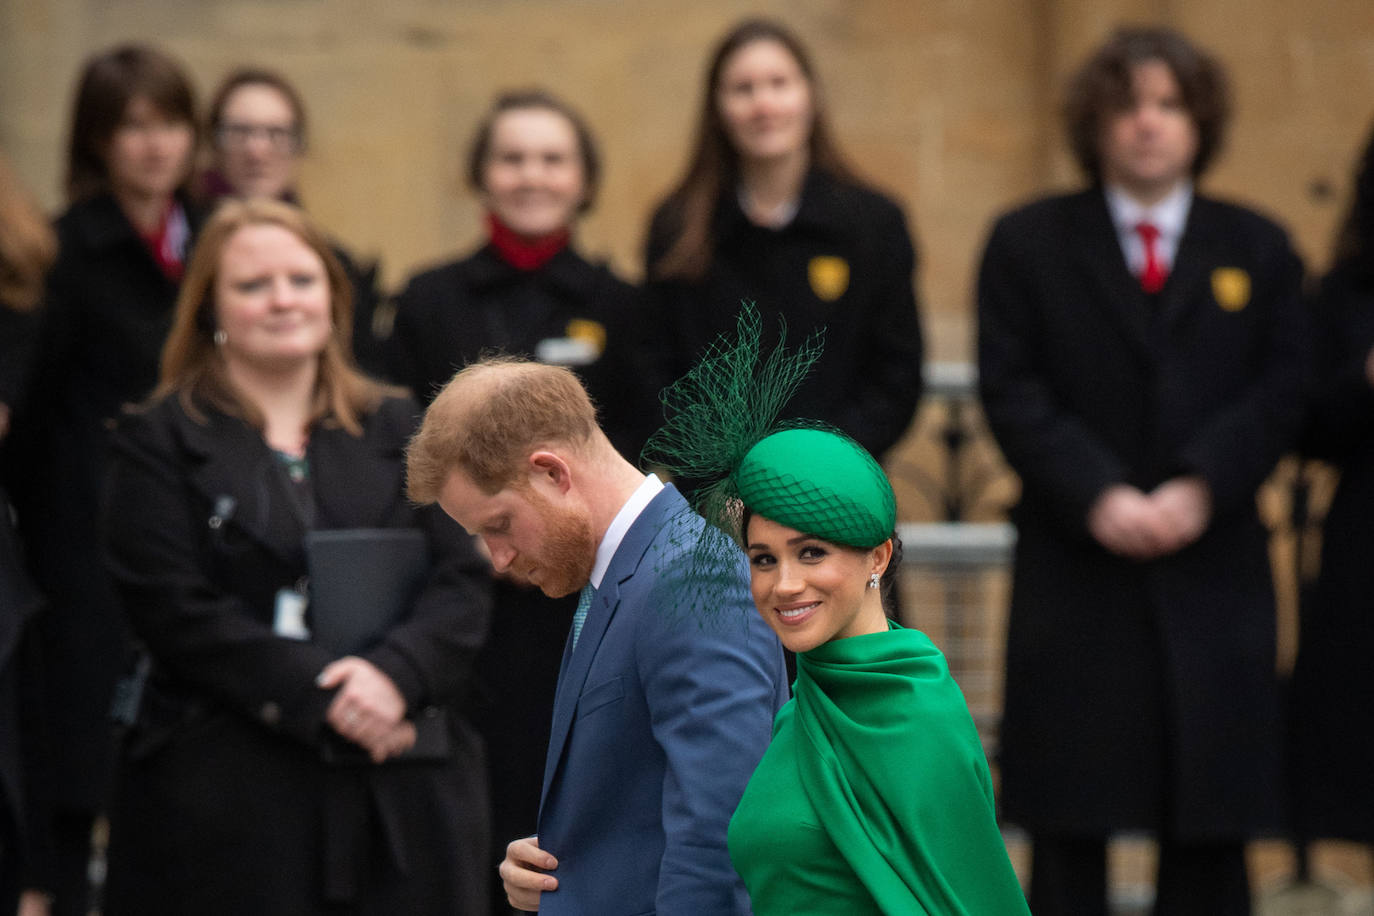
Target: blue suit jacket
pixel 658 723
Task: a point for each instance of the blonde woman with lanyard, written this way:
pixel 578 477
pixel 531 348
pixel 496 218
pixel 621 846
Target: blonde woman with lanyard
pixel 875 782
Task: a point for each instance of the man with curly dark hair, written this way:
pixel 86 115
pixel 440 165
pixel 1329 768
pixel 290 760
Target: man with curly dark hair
pixel 1141 352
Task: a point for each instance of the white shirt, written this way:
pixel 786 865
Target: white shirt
pixel 638 500
pixel 1169 216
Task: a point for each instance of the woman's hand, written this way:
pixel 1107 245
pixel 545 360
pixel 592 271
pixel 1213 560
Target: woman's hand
pixel 368 709
pixel 34 903
pixel 394 743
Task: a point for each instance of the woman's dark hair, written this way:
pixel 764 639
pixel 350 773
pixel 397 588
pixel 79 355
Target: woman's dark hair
pixel 714 164
pixel 256 76
pixel 524 99
pixel 889 580
pixel 1102 87
pixel 1355 238
pixel 109 82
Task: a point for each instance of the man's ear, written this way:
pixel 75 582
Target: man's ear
pixel 547 470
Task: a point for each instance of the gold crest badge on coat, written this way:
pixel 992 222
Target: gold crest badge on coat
pixel 593 332
pixel 829 276
pixel 1231 288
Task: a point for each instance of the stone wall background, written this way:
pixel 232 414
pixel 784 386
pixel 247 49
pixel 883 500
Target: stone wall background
pixel 950 105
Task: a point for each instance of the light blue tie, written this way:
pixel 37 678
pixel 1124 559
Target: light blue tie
pixel 584 603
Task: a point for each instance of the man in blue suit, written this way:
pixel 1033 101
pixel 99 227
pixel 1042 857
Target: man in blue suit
pixel 669 681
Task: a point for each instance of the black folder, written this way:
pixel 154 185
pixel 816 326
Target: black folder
pixel 363 582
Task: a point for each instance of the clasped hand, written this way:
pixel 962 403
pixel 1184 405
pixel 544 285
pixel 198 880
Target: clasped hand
pixel 1145 526
pixel 368 709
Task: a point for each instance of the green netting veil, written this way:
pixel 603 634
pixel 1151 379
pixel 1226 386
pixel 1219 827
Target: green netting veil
pixel 722 431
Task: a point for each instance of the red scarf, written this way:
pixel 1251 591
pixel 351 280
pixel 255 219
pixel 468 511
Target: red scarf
pixel 521 253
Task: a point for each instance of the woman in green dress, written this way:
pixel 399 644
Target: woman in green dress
pixel 874 795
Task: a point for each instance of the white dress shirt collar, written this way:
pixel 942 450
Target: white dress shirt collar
pixel 620 525
pixel 1169 216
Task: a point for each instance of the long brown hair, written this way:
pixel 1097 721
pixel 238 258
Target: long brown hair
pixel 193 368
pixel 714 165
pixel 27 244
pixel 109 82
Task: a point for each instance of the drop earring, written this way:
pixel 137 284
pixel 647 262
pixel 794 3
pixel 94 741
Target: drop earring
pixel 220 337
pixel 874 580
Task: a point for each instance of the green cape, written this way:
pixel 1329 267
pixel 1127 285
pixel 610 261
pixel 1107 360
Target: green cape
pixel 892 764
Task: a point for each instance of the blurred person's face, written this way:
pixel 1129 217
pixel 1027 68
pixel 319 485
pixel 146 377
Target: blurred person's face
pixel 272 299
pixel 149 153
pixel 258 143
pixel 1149 146
pixel 532 532
pixel 533 178
pixel 765 102
pixel 811 591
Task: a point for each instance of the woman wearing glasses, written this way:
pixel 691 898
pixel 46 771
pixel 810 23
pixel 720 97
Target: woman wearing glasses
pixel 257 127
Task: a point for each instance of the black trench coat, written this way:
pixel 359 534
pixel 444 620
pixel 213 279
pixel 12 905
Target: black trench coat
pixel 107 310
pixel 1333 682
pixel 1140 694
pixel 224 803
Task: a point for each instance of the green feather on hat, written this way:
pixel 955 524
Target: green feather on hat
pixel 722 428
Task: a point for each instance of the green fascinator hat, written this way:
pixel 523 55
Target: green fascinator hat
pixel 821 483
pixel 722 433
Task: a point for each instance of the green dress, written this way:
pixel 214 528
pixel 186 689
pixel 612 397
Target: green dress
pixel 874 795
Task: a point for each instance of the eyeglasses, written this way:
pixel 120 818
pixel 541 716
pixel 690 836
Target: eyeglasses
pixel 282 139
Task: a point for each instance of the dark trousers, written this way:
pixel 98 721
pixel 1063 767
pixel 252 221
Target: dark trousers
pixel 1069 877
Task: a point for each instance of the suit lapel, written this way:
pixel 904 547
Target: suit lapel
pixel 1195 253
pixel 237 477
pixel 577 662
pixel 1101 257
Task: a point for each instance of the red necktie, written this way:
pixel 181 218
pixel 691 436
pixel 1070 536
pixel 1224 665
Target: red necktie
pixel 1153 276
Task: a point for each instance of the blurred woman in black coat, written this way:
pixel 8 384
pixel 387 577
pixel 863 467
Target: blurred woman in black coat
pixel 1333 684
pixel 108 305
pixel 27 249
pixel 535 167
pixel 263 773
pixel 769 211
pixel 527 291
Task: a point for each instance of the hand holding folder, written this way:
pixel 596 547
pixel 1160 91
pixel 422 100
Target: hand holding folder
pixel 363 582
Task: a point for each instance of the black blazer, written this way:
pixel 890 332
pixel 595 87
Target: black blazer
pixel 845 263
pixel 228 750
pixel 1114 666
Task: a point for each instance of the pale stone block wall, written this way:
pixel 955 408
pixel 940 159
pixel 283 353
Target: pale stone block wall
pixel 950 105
